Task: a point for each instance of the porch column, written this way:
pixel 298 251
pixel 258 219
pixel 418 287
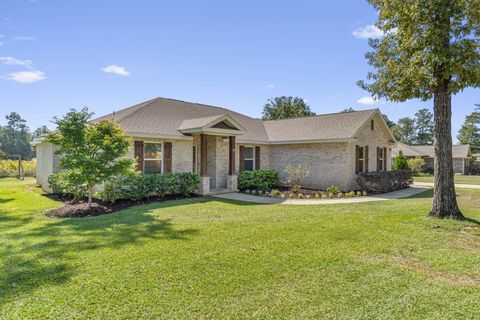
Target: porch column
pixel 204 187
pixel 232 177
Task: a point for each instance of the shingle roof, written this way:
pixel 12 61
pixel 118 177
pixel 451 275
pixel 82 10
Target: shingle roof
pixel 322 127
pixel 458 151
pixel 167 116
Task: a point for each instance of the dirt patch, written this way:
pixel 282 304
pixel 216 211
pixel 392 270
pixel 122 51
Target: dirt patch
pixel 79 209
pixel 416 265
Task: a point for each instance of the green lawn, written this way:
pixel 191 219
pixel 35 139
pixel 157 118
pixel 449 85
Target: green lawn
pixel 206 258
pixel 458 179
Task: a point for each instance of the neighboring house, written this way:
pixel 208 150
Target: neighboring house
pixel 176 136
pixel 461 155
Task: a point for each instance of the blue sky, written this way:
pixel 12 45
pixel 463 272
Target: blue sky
pixel 106 55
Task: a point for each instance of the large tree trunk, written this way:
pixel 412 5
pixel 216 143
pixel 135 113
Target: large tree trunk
pixel 444 197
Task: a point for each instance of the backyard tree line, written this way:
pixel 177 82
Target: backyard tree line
pixel 15 137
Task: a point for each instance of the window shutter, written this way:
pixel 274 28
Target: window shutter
pixel 378 158
pixel 167 157
pixel 384 159
pixel 257 158
pixel 366 158
pixel 357 157
pixel 138 154
pixel 242 158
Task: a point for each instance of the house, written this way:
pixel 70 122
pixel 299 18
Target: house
pixel 461 155
pixel 177 136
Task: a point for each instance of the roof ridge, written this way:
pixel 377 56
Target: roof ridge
pixel 136 108
pixel 321 115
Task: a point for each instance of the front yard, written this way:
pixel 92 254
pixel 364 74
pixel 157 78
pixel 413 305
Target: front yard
pixel 206 258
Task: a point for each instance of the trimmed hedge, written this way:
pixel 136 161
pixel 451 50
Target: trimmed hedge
pixel 65 184
pixel 140 186
pixel 264 180
pixel 384 181
pixel 134 186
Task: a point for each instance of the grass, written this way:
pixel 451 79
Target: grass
pixel 206 258
pixel 460 179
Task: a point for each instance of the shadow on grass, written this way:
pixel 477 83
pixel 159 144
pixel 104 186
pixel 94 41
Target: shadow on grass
pixel 45 254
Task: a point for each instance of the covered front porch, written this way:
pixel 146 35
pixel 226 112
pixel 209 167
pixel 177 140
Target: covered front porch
pixel 214 147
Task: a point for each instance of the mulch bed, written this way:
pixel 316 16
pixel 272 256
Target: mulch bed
pixel 80 209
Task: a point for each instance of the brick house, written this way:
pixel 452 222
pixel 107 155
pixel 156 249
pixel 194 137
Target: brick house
pixel 461 155
pixel 177 136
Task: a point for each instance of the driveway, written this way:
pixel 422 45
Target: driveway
pixel 457 185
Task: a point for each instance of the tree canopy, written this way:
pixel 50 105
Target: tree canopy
pixel 469 133
pixel 429 49
pixel 92 152
pixel 286 107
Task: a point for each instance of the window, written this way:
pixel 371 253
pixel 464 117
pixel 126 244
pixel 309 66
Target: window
pixel 372 124
pixel 380 159
pixel 249 158
pixel 361 159
pixel 153 155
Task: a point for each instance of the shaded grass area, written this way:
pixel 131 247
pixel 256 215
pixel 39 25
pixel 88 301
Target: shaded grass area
pixel 206 258
pixel 460 179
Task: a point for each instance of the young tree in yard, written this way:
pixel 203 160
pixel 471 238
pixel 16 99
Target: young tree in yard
pixel 430 49
pixel 423 127
pixel 469 133
pixel 400 163
pixel 91 152
pixel 286 107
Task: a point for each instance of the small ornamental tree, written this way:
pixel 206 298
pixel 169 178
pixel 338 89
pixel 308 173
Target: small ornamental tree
pixel 430 51
pixel 400 162
pixel 92 152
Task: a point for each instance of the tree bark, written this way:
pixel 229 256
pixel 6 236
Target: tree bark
pixel 444 196
pixel 90 196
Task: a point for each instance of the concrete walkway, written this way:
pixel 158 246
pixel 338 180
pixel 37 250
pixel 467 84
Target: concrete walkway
pixel 266 200
pixel 457 185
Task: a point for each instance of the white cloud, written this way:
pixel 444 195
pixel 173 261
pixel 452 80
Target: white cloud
pixel 268 86
pixel 26 76
pixel 369 31
pixel 25 38
pixel 16 62
pixel 121 71
pixel 367 100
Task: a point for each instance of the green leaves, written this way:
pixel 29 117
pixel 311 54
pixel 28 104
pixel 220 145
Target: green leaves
pixel 91 151
pixel 286 107
pixel 426 43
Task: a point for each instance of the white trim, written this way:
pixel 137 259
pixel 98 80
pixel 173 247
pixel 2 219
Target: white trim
pixel 133 134
pixel 253 157
pixel 314 141
pixel 162 159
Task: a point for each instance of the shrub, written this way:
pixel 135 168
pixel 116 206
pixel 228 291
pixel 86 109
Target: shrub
pixel 340 195
pixel 400 163
pixel 137 186
pixel 385 181
pixel 474 168
pixel 301 196
pixel 364 193
pixel 351 194
pixel 65 184
pixel 295 176
pixel 275 193
pixel 415 164
pixel 9 168
pixel 333 189
pixel 283 196
pixel 264 180
pixel 248 191
pixel 359 193
pixel 308 196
